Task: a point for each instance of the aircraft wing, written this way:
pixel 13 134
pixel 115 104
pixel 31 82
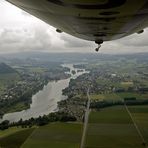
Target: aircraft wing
pixel 90 19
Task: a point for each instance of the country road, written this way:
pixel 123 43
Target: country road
pixel 85 121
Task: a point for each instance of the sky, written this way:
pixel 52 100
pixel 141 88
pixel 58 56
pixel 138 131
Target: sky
pixel 22 32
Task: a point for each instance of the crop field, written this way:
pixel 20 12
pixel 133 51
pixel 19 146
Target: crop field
pixel 56 135
pixel 118 96
pixel 140 116
pixel 14 138
pixel 136 95
pixel 111 128
pixel 9 131
pixel 115 115
pixel 108 97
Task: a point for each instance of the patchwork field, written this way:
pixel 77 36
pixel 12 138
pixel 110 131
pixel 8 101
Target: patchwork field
pixel 55 135
pixel 111 128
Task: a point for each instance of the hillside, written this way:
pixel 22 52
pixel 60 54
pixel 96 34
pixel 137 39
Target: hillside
pixel 5 69
pixel 8 76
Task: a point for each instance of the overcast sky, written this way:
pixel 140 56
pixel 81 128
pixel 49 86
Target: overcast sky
pixel 20 32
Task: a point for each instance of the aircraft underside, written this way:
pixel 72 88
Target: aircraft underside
pixel 94 20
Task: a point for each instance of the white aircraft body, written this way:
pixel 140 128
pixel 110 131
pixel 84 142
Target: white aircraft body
pixel 93 20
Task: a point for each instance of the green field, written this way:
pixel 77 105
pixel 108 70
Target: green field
pixel 107 97
pixel 111 128
pixel 56 135
pixel 110 115
pixel 136 95
pixel 140 116
pixel 10 131
pixel 13 138
pixel 118 96
pixel 36 70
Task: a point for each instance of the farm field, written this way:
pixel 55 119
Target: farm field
pixel 13 138
pixel 140 116
pixel 108 97
pixel 111 128
pixel 9 131
pixel 55 135
pixel 118 96
pixel 108 128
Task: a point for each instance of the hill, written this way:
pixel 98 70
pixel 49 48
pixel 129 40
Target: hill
pixel 5 69
pixel 8 76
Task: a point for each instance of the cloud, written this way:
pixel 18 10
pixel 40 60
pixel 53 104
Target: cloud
pixel 74 42
pixel 135 40
pixel 13 40
pixel 129 44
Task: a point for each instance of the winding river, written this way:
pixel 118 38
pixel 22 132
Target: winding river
pixel 45 101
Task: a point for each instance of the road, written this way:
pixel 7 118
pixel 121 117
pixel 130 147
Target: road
pixel 85 121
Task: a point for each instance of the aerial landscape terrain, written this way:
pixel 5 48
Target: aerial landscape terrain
pixel 55 92
pixel 73 100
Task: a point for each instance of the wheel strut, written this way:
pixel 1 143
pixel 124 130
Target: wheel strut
pixel 97 49
pixel 99 42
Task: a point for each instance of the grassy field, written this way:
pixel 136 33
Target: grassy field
pixel 10 131
pixel 111 128
pixel 36 69
pixel 14 139
pixel 118 96
pixel 108 97
pixel 136 95
pixel 140 116
pixel 108 128
pixel 110 115
pixel 56 135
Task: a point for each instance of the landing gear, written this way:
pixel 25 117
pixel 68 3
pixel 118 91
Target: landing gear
pixel 97 49
pixel 99 42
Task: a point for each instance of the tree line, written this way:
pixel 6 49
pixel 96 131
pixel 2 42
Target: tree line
pixel 40 121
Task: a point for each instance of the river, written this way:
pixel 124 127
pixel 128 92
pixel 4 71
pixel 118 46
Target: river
pixel 45 101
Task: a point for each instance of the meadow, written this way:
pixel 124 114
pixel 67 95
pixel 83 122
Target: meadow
pixel 14 138
pixel 111 128
pixel 118 96
pixel 140 116
pixel 56 135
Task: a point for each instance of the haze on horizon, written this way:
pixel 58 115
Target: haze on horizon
pixel 21 32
